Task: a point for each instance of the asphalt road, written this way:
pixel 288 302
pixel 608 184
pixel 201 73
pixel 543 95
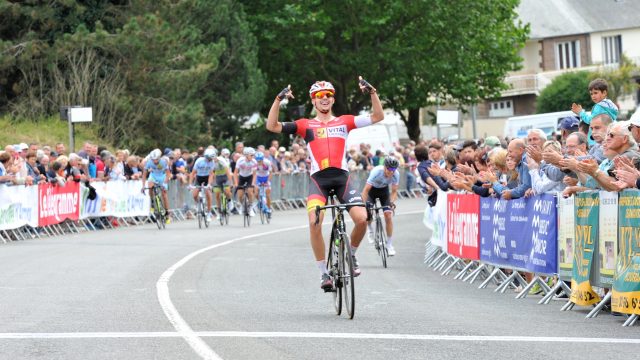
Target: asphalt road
pixel 236 293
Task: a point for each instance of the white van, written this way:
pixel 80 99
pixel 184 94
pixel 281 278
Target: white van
pixel 376 135
pixel 517 126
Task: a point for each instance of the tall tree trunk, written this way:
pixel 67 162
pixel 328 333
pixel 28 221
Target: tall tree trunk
pixel 413 124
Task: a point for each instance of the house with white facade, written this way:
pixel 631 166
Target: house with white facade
pixel 566 35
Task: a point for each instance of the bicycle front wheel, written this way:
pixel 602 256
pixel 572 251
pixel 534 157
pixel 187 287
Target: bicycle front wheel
pixel 159 212
pixel 347 278
pixel 200 213
pixel 262 213
pixel 381 239
pixel 334 271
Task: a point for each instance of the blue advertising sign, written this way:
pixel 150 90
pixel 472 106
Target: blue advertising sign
pixel 520 233
pixel 493 231
pixel 542 231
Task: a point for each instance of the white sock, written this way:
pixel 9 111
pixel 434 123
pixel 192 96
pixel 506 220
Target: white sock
pixel 353 249
pixel 389 240
pixel 322 265
pixel 370 228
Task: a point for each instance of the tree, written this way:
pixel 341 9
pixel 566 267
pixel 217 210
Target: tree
pixel 155 72
pixel 413 52
pixel 563 91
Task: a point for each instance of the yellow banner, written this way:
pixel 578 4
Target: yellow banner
pixel 625 302
pixel 582 294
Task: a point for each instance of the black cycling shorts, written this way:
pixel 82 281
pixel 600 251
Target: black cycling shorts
pixel 382 194
pixel 245 180
pixel 323 181
pixel 202 180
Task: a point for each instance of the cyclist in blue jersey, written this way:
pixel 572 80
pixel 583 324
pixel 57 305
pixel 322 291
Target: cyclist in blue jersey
pixel 377 187
pixel 157 167
pixel 202 173
pixel 263 177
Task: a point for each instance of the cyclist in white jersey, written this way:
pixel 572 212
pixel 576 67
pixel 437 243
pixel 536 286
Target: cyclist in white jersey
pixel 245 175
pixel 377 187
pixel 263 174
pixel 202 173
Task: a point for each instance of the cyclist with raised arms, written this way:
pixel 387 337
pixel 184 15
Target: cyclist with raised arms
pixel 245 175
pixel 263 177
pixel 326 137
pixel 202 173
pixel 222 171
pixel 377 187
pixel 159 172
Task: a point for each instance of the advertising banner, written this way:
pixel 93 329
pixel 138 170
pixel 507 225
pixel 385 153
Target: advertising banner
pixel 587 220
pixel 115 198
pixel 566 236
pixel 463 222
pixel 608 238
pixel 626 286
pixel 18 206
pixel 519 245
pixel 58 203
pixel 439 216
pixel 493 231
pixel 540 234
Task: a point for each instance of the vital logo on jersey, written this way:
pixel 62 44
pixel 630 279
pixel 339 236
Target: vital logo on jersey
pixel 324 163
pixel 338 131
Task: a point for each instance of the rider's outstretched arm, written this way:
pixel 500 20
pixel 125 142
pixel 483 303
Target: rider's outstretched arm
pixel 273 124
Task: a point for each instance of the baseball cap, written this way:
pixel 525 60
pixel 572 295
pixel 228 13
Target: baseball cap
pixel 282 149
pixel 635 118
pixel 23 146
pixel 492 141
pixel 569 123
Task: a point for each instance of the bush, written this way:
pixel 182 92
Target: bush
pixel 566 89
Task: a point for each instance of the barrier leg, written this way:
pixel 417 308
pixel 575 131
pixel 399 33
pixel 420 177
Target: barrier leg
pixel 474 274
pixel 3 237
pixel 437 259
pixel 560 285
pixel 463 272
pixel 450 267
pixel 515 275
pixel 601 304
pixel 537 280
pixel 631 320
pixel 431 252
pixel 491 276
pixel 568 306
pixel 444 263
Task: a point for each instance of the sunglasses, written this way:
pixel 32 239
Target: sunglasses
pixel 391 169
pixel 321 94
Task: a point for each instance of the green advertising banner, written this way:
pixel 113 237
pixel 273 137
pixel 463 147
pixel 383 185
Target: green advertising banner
pixel 587 218
pixel 626 286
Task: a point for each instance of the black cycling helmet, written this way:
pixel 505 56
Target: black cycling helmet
pixel 391 162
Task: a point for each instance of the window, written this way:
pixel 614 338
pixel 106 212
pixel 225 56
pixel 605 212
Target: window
pixel 568 54
pixel 501 108
pixel 611 49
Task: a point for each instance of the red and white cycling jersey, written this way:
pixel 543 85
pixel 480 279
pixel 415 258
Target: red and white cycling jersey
pixel 326 142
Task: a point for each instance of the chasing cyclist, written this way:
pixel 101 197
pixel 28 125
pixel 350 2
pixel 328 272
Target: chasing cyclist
pixel 263 177
pixel 377 187
pixel 202 173
pixel 326 137
pixel 157 167
pixel 245 175
pixel 222 171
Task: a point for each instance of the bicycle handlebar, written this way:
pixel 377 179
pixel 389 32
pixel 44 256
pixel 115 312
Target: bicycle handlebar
pixel 336 206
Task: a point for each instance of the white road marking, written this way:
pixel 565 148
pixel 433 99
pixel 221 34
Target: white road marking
pixel 314 335
pixel 178 323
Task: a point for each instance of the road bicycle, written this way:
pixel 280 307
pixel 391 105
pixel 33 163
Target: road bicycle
pixel 201 205
pixel 340 257
pixel 224 206
pixel 265 214
pixel 246 204
pixel 158 211
pixel 380 235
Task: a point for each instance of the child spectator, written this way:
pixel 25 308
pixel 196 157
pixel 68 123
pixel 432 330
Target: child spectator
pixel 598 89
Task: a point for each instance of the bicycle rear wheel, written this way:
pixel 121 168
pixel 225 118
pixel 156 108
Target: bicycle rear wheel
pixel 347 277
pixel 334 272
pixel 262 212
pixel 381 240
